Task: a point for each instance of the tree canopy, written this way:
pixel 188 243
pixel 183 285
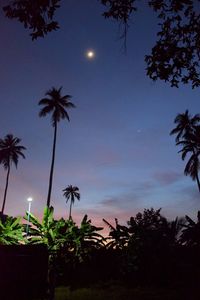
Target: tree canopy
pixel 175 56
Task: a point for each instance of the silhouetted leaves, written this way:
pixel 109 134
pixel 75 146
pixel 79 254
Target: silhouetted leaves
pixel 118 235
pixel 175 57
pixel 176 54
pixel 191 233
pixel 151 250
pixel 11 231
pixel 10 151
pixel 188 136
pixel 37 15
pixel 71 193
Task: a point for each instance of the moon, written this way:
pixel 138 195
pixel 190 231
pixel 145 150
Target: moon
pixel 90 54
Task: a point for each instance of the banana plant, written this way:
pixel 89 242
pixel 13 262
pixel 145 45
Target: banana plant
pixel 11 231
pixel 49 231
pixel 118 235
pixel 52 233
pixel 191 232
pixel 87 238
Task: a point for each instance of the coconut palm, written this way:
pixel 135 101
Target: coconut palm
pixel 192 167
pixel 56 105
pixel 188 131
pixel 10 151
pixel 72 193
pixel 186 124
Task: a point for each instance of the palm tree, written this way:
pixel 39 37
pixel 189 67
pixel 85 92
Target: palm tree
pixel 10 151
pixel 71 192
pixel 193 165
pixel 185 125
pixel 187 131
pixel 56 105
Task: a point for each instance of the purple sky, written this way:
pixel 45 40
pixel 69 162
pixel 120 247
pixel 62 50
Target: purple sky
pixel 117 147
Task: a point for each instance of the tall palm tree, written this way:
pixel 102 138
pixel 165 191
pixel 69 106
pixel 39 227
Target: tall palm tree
pixel 187 131
pixel 56 105
pixel 10 151
pixel 72 193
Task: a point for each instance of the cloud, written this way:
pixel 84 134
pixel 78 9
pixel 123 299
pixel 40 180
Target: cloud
pixel 110 202
pixel 167 178
pixel 144 187
pixel 105 155
pixel 191 195
pixel 121 201
pixel 185 201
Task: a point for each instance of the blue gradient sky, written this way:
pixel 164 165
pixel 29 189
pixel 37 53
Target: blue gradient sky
pixel 117 147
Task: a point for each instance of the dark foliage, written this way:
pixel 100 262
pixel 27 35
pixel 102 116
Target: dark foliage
pixel 153 253
pixel 187 132
pixel 37 15
pixel 175 56
pixel 149 251
pixel 191 233
pixel 118 9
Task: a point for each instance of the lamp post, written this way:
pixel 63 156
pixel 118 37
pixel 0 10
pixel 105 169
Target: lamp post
pixel 29 210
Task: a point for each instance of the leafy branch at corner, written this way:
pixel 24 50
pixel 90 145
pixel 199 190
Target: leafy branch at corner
pixel 37 15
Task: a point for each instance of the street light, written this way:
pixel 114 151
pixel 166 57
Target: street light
pixel 29 211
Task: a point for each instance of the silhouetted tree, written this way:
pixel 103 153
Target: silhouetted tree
pixel 172 231
pixel 175 56
pixel 186 125
pixel 56 105
pixel 10 151
pixel 37 15
pixel 187 131
pixel 71 193
pixel 118 235
pixel 191 232
pixel 149 247
pixel 193 165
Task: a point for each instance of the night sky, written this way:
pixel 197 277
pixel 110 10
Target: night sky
pixel 117 147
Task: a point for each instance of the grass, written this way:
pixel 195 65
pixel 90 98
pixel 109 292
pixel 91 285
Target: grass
pixel 122 293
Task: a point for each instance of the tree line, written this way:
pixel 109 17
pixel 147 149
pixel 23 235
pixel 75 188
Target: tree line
pixel 149 250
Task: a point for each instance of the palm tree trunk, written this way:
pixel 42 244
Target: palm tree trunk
pixel 197 176
pixel 6 188
pixel 52 166
pixel 198 182
pixel 70 210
